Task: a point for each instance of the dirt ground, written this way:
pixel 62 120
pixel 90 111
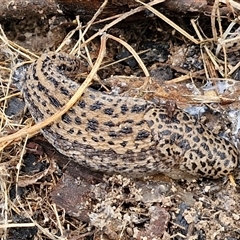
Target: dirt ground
pixel 44 195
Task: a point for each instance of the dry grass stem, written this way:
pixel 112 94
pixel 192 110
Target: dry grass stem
pixel 186 77
pixel 234 4
pixel 168 21
pixel 75 97
pixel 213 58
pixel 17 48
pixel 105 65
pixel 132 51
pixel 119 19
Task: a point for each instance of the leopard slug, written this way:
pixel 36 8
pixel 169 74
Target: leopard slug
pixel 115 134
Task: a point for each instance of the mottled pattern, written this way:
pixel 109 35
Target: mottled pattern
pixel 115 134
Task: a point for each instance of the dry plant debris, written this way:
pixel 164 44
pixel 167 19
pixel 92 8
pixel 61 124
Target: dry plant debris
pixel 43 196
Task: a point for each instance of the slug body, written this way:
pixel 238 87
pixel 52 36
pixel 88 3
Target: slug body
pixel 115 134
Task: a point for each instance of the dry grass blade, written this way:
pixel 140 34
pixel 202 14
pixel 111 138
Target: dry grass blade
pixel 209 99
pixel 14 225
pixel 126 58
pixel 185 77
pixel 119 19
pixel 212 57
pixel 64 109
pixel 168 21
pixel 232 3
pixel 22 51
pixel 133 52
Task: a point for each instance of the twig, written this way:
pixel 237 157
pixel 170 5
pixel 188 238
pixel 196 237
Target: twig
pixel 68 105
pixel 119 19
pixel 168 21
pixel 131 50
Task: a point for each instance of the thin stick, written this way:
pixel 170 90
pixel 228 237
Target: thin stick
pixel 65 108
pixel 232 3
pixel 119 19
pixel 168 21
pixel 132 51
